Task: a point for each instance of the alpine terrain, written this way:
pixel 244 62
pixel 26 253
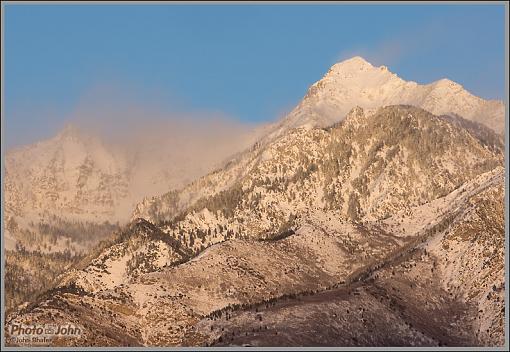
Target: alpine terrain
pixel 370 215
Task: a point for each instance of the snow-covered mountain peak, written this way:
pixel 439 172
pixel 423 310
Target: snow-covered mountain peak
pixel 355 72
pixel 356 82
pixel 353 65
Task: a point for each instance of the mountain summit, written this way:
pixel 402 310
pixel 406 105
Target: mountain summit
pixel 356 82
pixel 356 63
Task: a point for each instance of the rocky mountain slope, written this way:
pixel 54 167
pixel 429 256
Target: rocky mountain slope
pixel 71 172
pixel 445 290
pixel 320 211
pixel 369 165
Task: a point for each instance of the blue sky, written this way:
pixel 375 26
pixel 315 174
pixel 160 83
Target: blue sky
pixel 251 63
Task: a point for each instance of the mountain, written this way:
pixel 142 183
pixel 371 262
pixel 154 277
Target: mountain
pixel 71 172
pixel 445 291
pixel 71 178
pixel 348 84
pixel 348 160
pixel 76 177
pixel 372 227
pixel 370 188
pixel 356 82
pixel 66 194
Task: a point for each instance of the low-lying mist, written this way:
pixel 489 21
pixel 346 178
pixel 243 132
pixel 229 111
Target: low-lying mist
pixel 163 150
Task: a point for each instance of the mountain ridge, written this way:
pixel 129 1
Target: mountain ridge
pixel 356 82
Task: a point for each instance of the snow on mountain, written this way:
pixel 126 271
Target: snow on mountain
pixel 73 173
pixel 77 177
pixel 366 168
pixel 419 184
pixel 372 163
pixel 348 84
pixel 346 190
pixel 355 82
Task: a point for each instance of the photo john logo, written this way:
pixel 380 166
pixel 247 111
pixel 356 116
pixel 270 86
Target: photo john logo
pixel 42 333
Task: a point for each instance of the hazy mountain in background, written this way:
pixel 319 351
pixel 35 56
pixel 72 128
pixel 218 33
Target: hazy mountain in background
pixel 79 177
pixel 66 194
